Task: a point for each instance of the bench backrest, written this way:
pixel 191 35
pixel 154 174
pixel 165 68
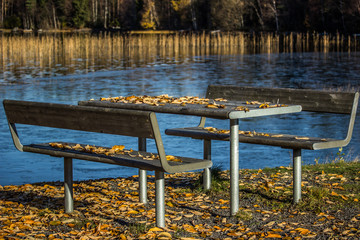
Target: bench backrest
pixel 310 100
pixel 135 123
pixel 91 119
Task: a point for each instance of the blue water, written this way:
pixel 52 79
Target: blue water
pixel 189 76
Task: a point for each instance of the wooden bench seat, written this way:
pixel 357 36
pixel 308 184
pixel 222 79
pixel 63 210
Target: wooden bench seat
pixel 136 159
pixel 310 100
pixel 280 140
pixel 133 123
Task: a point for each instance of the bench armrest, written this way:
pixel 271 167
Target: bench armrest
pixel 15 137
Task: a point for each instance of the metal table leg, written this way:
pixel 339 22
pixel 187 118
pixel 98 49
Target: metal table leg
pixel 297 175
pixel 234 166
pixel 207 172
pixel 68 185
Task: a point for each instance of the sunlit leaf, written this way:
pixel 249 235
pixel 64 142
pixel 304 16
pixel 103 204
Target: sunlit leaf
pixel 156 229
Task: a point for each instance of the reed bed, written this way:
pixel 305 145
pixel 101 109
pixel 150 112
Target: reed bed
pixel 89 51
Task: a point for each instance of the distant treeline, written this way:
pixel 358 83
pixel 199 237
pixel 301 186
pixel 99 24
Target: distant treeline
pixel 228 15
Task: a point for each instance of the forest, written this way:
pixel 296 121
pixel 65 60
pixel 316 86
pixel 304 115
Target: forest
pixel 331 16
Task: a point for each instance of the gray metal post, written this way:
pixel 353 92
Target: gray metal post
pixel 160 199
pixel 142 174
pixel 207 172
pixel 234 166
pixel 297 175
pixel 68 185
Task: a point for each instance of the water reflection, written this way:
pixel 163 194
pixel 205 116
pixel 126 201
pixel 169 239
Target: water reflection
pixel 80 78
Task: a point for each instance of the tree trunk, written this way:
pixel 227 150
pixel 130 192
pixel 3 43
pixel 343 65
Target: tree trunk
pixel 106 13
pixel 54 15
pixel 193 15
pixel 274 9
pixel 258 12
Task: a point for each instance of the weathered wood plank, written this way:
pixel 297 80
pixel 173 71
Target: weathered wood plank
pixel 102 120
pixel 310 100
pixel 134 160
pixel 272 139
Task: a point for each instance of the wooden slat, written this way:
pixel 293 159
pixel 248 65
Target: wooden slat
pixel 102 120
pixel 310 100
pixel 118 159
pixel 284 141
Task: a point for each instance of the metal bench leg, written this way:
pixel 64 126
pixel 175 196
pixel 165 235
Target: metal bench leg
pixel 207 172
pixel 234 166
pixel 160 199
pixel 142 186
pixel 297 175
pixel 142 174
pixel 68 185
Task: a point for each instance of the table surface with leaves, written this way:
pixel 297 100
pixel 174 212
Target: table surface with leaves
pixel 191 105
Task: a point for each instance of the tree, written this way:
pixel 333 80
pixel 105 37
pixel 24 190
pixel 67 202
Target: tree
pixel 227 14
pixel 149 19
pixel 81 13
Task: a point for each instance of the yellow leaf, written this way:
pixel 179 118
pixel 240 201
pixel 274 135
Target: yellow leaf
pixel 343 197
pixel 303 231
pixel 334 193
pixel 189 228
pixel 273 235
pixel 170 204
pixel 264 105
pixel 172 158
pixel 164 235
pixel 156 229
pixel 177 218
pixel 189 194
pixel 242 108
pixel 222 201
pixel 211 129
pixel 122 237
pixel 118 148
pixel 40 235
pixel 133 212
pixel 212 106
pixel 235 234
pixel 204 207
pixel 217 227
pixel 29 222
pixel 302 138
pixel 189 238
pixel 55 223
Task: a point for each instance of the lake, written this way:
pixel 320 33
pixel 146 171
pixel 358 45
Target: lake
pixel 82 78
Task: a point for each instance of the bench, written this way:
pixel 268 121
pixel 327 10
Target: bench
pixel 310 100
pixel 133 123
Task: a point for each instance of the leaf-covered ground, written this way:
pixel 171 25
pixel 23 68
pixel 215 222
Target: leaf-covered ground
pixel 109 208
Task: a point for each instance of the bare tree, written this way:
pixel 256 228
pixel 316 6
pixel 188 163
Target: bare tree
pixel 274 9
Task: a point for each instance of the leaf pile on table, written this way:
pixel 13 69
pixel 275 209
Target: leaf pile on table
pixel 110 209
pixel 182 101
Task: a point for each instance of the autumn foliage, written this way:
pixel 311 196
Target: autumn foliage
pixel 109 208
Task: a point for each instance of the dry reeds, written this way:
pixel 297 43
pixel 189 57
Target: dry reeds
pixel 89 52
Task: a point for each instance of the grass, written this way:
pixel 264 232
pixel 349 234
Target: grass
pixel 335 183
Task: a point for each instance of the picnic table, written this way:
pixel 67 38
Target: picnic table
pixel 211 108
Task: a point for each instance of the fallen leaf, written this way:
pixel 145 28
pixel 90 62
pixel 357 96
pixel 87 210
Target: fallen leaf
pixel 164 235
pixel 273 235
pixel 156 229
